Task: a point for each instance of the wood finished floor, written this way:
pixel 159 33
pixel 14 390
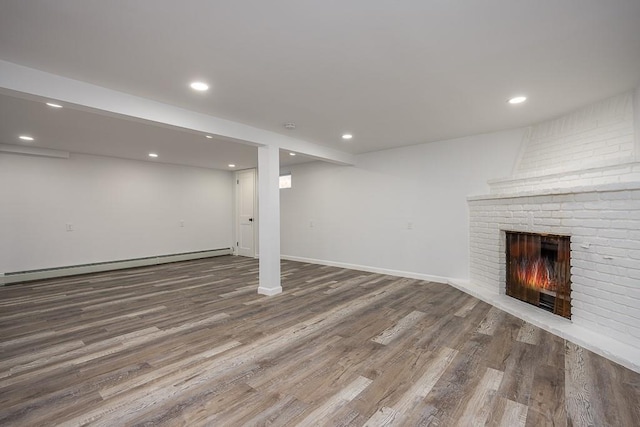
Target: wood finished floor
pixel 193 344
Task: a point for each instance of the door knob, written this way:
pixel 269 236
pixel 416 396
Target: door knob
pixel 251 219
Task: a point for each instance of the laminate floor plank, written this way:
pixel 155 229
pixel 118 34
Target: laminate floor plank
pixel 293 366
pixel 343 396
pixel 388 335
pixel 491 321
pixel 508 413
pixel 467 307
pixel 480 404
pixel 500 347
pixel 280 413
pixel 519 367
pixel 529 334
pixel 547 406
pixel 193 344
pixel 445 402
pixel 451 331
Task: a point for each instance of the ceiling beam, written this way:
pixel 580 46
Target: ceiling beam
pixel 24 81
pixel 33 151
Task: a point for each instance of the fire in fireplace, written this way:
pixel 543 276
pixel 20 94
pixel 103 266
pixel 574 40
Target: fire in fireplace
pixel 539 270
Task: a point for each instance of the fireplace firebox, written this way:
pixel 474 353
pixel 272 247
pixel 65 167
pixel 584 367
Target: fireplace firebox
pixel 539 270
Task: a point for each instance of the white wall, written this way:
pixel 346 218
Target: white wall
pixel 359 215
pixel 120 209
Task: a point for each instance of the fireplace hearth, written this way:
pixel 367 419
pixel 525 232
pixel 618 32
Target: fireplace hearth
pixel 538 270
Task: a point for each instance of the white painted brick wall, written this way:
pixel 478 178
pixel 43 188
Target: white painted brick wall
pixel 595 145
pixel 598 135
pixel 604 225
pixel 615 174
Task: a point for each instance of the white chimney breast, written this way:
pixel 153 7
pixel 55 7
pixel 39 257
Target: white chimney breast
pixel 577 176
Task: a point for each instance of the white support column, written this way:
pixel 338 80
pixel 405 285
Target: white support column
pixel 269 219
pixel 636 122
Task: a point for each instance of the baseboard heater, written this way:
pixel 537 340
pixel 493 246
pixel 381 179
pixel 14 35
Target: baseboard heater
pixel 73 270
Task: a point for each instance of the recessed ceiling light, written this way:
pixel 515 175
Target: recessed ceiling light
pixel 208 136
pixel 347 136
pixel 153 155
pixel 199 86
pixel 26 138
pixel 517 100
pixel 292 154
pixel 231 165
pixel 51 104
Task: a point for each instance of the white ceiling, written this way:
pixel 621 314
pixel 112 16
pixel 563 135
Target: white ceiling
pixel 393 73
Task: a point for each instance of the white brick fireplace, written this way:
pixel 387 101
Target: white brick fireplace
pixel 578 176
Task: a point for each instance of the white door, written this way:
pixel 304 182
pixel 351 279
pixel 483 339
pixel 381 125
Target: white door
pixel 245 212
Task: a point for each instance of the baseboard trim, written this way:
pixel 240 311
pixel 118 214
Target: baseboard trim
pixel 369 269
pixel 270 291
pixel 74 270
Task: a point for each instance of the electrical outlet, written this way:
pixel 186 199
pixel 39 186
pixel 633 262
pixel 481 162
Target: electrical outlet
pixel 69 226
pixel 310 224
pixel 182 223
pixel 409 226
